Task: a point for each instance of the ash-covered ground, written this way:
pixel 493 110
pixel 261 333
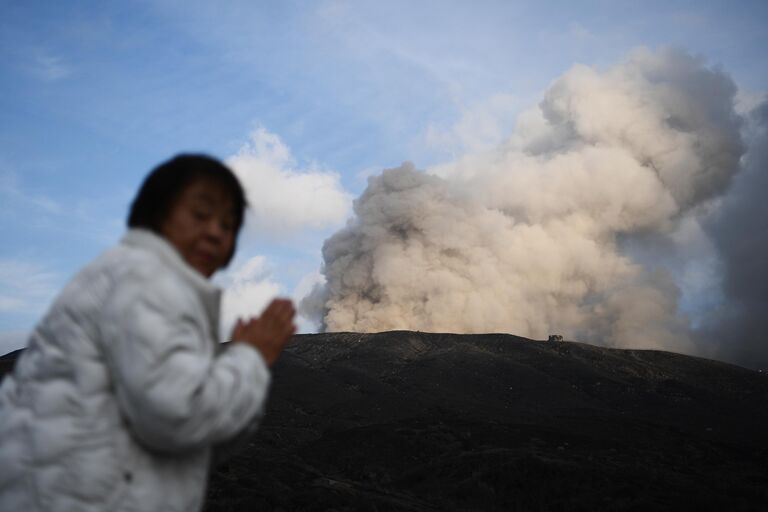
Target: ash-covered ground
pixel 417 421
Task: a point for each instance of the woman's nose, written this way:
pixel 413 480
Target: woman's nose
pixel 214 229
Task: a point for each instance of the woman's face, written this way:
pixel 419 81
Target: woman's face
pixel 201 225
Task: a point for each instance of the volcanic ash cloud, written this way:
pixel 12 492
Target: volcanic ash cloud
pixel 528 238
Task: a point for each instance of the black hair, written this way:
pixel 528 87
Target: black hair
pixel 165 183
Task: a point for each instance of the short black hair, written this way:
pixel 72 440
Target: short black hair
pixel 165 183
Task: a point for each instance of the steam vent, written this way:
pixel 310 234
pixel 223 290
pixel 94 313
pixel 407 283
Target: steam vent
pixel 417 421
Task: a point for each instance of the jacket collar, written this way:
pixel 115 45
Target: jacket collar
pixel 209 294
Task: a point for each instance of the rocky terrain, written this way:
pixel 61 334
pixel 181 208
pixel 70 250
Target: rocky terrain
pixel 419 421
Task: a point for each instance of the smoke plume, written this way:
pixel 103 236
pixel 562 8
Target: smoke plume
pixel 739 229
pixel 532 237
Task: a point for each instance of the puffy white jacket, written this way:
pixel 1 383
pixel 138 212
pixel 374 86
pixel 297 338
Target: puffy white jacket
pixel 123 390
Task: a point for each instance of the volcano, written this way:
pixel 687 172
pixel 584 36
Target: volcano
pixel 423 421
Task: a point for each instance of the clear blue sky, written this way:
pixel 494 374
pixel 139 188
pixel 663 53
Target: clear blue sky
pixel 95 93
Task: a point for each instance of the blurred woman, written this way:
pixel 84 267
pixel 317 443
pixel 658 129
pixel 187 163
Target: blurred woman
pixel 123 391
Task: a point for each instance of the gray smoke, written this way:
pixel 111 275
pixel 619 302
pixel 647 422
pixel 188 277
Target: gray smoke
pixel 531 238
pixel 740 231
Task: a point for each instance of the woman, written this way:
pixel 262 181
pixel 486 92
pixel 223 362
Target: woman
pixel 123 391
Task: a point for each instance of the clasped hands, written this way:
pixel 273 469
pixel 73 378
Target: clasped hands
pixel 269 332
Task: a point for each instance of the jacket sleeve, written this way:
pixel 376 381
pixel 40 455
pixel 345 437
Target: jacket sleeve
pixel 174 392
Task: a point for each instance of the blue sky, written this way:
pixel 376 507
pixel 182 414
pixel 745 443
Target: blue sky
pixel 319 94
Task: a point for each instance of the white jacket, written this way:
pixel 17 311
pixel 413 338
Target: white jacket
pixel 123 390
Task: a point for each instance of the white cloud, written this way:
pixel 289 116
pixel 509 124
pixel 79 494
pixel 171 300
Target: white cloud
pixel 283 199
pixel 12 193
pixel 48 67
pixel 481 126
pixel 25 288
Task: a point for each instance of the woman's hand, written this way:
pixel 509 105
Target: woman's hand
pixel 269 332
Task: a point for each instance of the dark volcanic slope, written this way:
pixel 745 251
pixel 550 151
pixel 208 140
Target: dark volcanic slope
pixel 417 421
